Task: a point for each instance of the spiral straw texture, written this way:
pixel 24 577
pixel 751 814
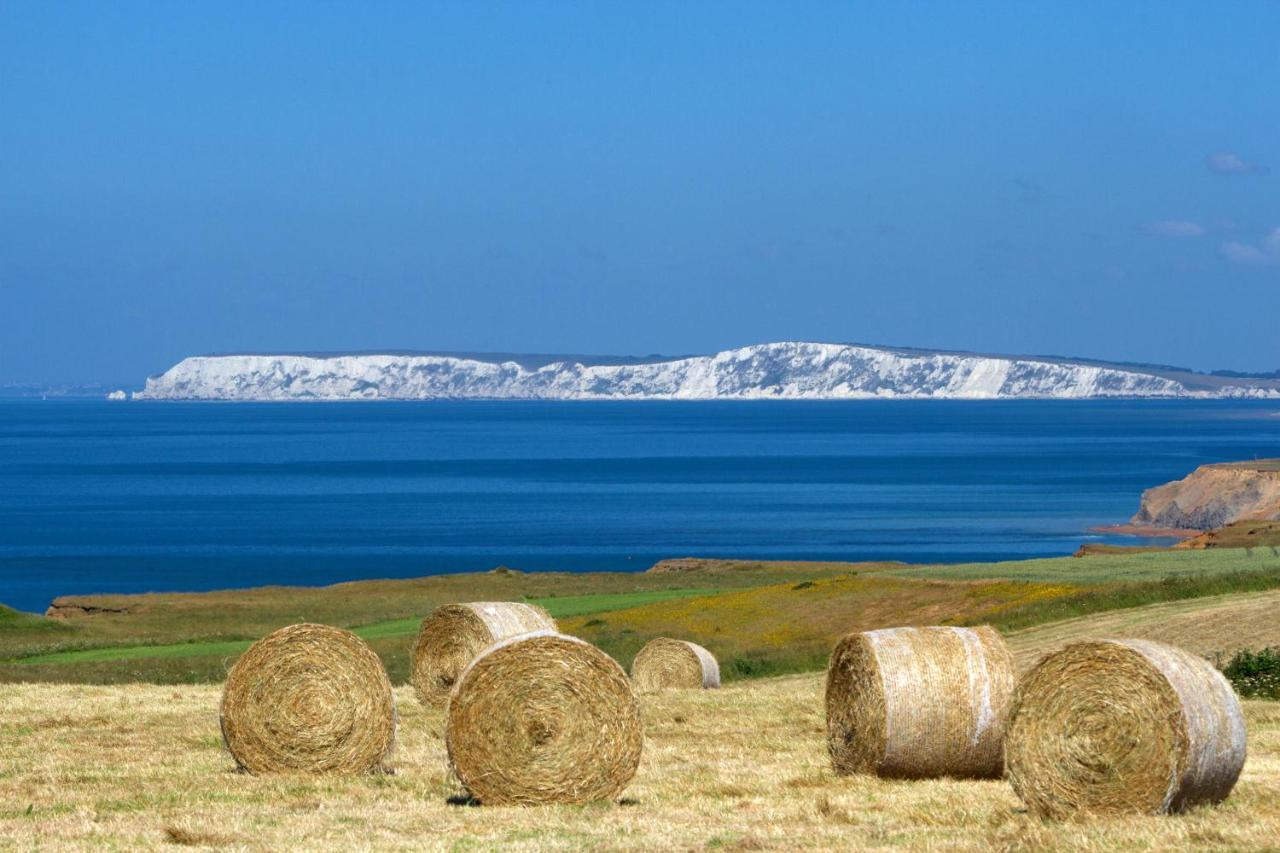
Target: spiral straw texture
pixel 1123 726
pixel 674 664
pixel 918 703
pixel 309 699
pixel 543 718
pixel 454 634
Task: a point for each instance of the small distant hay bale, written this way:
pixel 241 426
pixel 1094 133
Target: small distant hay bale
pixel 309 699
pixel 454 634
pixel 1123 726
pixel 674 664
pixel 543 718
pixel 919 703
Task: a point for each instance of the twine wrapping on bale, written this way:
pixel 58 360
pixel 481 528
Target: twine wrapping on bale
pixel 674 664
pixel 309 699
pixel 1123 726
pixel 453 635
pixel 543 718
pixel 918 703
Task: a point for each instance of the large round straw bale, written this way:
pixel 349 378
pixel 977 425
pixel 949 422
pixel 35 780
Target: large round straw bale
pixel 917 703
pixel 454 634
pixel 309 699
pixel 1121 726
pixel 543 718
pixel 665 663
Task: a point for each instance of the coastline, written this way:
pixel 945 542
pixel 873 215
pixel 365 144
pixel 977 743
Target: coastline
pixel 1146 531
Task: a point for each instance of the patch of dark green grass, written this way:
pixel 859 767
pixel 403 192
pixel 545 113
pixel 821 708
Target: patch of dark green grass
pixel 772 663
pixel 16 625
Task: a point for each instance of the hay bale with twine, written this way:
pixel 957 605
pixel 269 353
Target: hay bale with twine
pixel 453 635
pixel 919 703
pixel 674 664
pixel 1123 726
pixel 309 699
pixel 543 718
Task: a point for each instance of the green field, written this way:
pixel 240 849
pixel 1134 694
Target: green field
pixel 559 607
pixel 760 618
pixel 1105 568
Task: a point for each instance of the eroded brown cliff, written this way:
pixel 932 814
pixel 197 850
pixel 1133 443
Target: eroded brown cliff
pixel 1213 496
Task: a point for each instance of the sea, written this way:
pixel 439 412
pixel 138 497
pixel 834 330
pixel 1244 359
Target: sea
pixel 125 497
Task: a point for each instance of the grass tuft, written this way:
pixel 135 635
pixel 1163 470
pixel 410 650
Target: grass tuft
pixel 192 838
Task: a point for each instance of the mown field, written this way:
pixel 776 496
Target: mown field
pixel 758 618
pixel 742 768
pixel 1214 627
pixel 101 763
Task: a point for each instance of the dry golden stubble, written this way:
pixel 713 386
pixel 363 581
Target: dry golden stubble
pixel 1123 726
pixel 919 703
pixel 543 718
pixel 674 664
pixel 309 699
pixel 454 634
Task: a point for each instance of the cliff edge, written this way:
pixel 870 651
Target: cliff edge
pixel 1213 496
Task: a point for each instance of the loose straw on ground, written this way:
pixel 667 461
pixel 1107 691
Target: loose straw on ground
pixel 454 634
pixel 1123 726
pixel 674 664
pixel 309 699
pixel 919 703
pixel 543 718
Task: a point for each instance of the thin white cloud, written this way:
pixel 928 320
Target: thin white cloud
pixel 1230 163
pixel 1175 228
pixel 1264 253
pixel 1243 253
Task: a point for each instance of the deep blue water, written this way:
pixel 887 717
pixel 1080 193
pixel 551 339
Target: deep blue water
pixel 130 497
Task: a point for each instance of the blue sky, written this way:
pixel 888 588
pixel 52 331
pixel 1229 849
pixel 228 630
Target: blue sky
pixel 1076 178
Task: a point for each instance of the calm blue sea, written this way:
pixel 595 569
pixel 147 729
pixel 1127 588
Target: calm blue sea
pixel 131 497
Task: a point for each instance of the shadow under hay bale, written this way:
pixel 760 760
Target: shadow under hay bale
pixel 1123 726
pixel 309 699
pixel 674 664
pixel 543 718
pixel 454 634
pixel 919 703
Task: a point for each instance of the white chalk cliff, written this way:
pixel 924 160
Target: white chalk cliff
pixel 787 370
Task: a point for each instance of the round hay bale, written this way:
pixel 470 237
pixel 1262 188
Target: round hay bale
pixel 1123 726
pixel 674 664
pixel 454 634
pixel 543 718
pixel 309 699
pixel 918 703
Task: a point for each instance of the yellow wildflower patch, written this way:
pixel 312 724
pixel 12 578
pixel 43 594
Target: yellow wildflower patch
pixel 790 626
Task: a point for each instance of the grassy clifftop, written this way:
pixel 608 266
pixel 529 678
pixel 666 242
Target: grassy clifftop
pixel 758 618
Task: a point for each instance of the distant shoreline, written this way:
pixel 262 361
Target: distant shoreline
pixel 1146 531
